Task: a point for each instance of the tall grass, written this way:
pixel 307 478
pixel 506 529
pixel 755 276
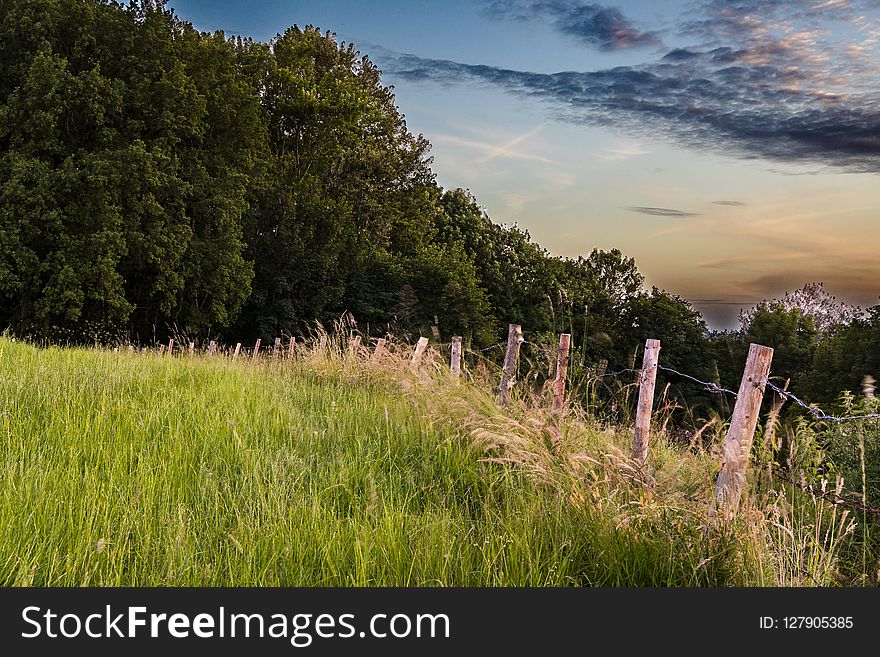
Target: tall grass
pixel 333 469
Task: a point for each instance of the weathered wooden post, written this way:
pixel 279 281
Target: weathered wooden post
pixel 511 360
pixel 419 351
pixel 192 348
pixel 256 353
pixel 738 443
pixel 212 347
pixel 561 372
pixel 170 346
pixel 455 357
pixel 354 347
pixel 276 350
pixel 647 379
pixel 380 349
pixel 237 349
pixel 291 346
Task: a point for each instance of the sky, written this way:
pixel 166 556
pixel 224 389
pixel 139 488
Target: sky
pixel 732 147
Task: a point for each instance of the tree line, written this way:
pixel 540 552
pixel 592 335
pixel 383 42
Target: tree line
pixel 156 180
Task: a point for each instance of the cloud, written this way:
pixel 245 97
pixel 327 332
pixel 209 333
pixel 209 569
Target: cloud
pixel 777 89
pixel 662 212
pixel 731 203
pixel 597 26
pixel 491 151
pixel 621 152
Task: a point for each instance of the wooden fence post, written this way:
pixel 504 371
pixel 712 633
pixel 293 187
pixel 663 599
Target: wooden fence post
pixel 212 347
pixel 237 349
pixel 380 349
pixel 291 346
pixel 455 357
pixel 276 350
pixel 354 346
pixel 511 360
pixel 419 351
pixel 647 379
pixel 192 348
pixel 256 353
pixel 170 346
pixel 561 372
pixel 738 443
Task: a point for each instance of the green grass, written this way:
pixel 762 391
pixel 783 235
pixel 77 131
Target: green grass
pixel 127 470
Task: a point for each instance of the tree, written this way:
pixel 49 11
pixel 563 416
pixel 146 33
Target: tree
pixel 345 184
pixel 126 140
pixel 791 333
pixel 814 302
pixel 843 359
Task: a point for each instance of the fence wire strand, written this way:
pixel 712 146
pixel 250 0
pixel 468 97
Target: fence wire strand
pixel 707 385
pixel 817 412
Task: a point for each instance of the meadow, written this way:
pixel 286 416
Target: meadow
pixel 332 469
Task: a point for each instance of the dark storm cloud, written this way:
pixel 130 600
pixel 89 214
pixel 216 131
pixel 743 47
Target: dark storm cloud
pixel 605 28
pixel 761 90
pixel 662 212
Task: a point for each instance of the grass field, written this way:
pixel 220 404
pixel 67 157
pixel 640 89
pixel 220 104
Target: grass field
pixel 124 469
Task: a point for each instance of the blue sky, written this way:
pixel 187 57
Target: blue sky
pixel 731 146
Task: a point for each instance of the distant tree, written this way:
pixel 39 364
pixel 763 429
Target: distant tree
pixel 843 359
pixel 813 301
pixel 791 333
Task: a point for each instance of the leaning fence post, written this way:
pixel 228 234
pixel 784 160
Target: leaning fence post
pixel 256 351
pixel 354 347
pixel 380 349
pixel 647 379
pixel 738 443
pixel 511 359
pixel 421 345
pixel 170 346
pixel 455 357
pixel 561 372
pixel 237 349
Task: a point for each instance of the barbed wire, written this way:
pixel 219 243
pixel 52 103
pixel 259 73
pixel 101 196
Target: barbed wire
pixel 618 373
pixel 711 387
pixel 707 385
pixel 817 412
pixel 831 496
